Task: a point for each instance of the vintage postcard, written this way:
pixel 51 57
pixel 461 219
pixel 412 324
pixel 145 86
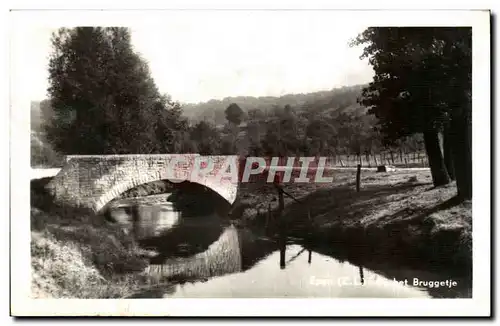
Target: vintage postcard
pixel 270 156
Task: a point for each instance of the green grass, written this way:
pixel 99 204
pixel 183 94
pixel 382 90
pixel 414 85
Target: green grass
pixel 76 254
pixel 394 214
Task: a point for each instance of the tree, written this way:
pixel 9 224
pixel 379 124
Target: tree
pixel 46 112
pixel 172 129
pixel 320 133
pixel 456 85
pixel 419 87
pixel 103 97
pixel 234 114
pixel 206 138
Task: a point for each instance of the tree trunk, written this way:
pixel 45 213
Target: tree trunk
pixel 448 154
pixel 461 150
pixel 435 157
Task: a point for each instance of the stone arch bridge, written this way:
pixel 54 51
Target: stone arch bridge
pixel 91 181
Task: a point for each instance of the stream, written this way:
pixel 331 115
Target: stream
pixel 199 253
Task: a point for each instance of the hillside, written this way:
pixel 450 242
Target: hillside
pixel 340 99
pixel 42 154
pixel 35 115
pixel 319 123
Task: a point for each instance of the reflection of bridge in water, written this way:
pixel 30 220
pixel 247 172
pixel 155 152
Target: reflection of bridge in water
pixel 236 250
pixel 191 237
pixel 222 257
pixel 201 244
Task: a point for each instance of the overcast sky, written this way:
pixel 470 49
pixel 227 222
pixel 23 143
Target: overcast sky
pixel 199 56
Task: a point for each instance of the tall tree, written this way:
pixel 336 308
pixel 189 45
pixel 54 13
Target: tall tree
pixel 419 87
pixel 103 97
pixel 206 137
pixel 456 85
pixel 234 114
pixel 320 133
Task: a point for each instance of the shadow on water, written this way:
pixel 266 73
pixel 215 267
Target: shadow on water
pixel 177 224
pixel 199 253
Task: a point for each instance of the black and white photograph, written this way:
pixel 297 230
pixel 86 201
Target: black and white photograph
pixel 283 155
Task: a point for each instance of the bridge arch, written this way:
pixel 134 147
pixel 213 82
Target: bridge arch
pixel 91 181
pixel 120 188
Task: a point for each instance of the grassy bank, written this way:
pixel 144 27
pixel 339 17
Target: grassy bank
pixel 76 255
pixel 397 214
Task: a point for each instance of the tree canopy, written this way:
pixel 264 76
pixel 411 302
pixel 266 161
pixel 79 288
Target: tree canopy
pixel 422 84
pixel 234 114
pixel 103 97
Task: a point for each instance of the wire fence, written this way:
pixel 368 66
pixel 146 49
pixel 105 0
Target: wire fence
pixel 373 160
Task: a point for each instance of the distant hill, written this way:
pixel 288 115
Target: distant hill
pixel 42 153
pixel 342 99
pixel 36 115
pixel 40 111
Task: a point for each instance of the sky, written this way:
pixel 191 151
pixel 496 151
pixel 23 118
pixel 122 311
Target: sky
pixel 196 57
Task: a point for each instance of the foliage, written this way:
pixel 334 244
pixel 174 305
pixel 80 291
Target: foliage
pixel 343 99
pixel 326 123
pixel 234 114
pixel 103 97
pixel 206 137
pixel 418 71
pixel 422 84
pixel 42 154
pixel 104 101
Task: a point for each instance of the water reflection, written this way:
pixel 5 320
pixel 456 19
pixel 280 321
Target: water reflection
pixel 200 254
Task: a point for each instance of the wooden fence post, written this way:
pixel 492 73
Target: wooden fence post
pixel 281 200
pixel 282 241
pixel 358 177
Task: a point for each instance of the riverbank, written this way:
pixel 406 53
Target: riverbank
pixel 399 215
pixel 76 255
pixel 395 215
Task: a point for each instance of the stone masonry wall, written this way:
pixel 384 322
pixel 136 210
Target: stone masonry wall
pixel 91 181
